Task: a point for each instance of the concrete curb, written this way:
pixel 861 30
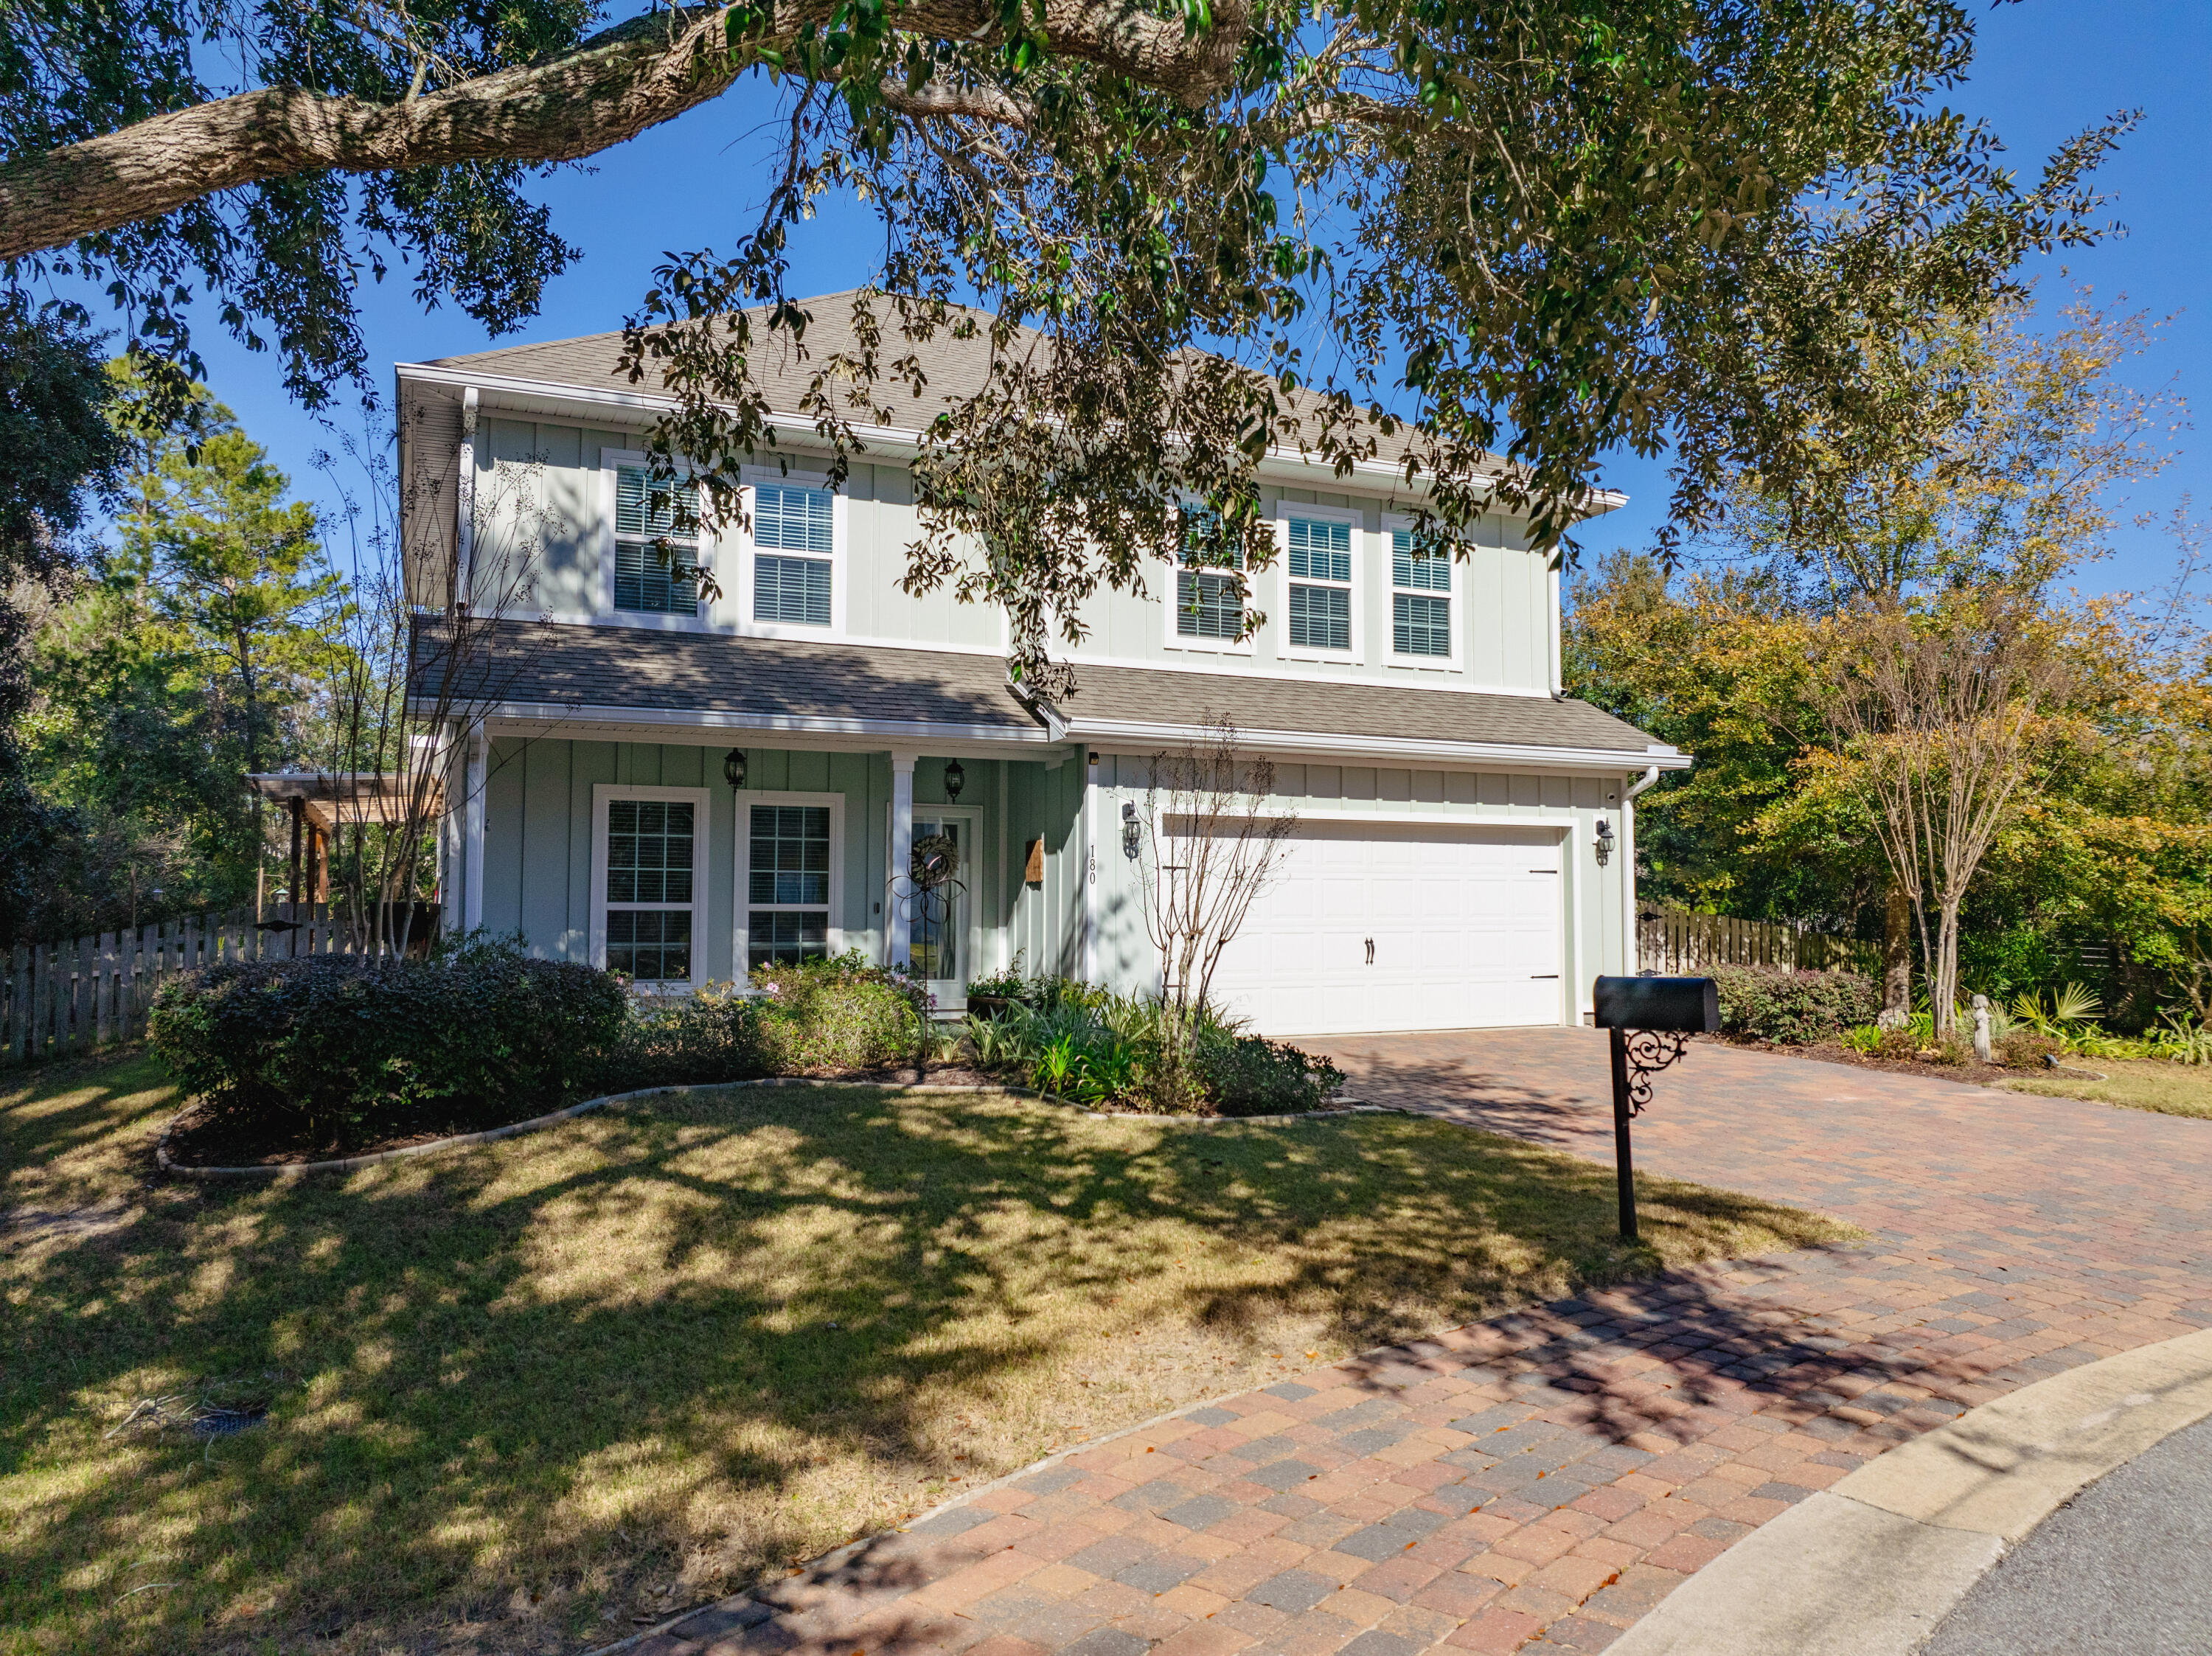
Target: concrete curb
pixel 1870 1566
pixel 355 1164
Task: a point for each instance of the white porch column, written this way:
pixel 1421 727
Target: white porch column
pixel 472 834
pixel 898 924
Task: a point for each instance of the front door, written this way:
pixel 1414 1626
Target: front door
pixel 941 940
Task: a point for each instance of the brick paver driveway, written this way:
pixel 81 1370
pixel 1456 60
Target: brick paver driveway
pixel 1540 1481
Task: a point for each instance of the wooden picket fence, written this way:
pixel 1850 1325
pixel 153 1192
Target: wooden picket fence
pixel 70 997
pixel 1675 941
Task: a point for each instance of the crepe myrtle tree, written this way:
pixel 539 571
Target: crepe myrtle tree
pixel 1536 228
pixel 407 685
pixel 1214 845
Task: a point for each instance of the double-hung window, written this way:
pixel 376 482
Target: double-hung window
pixel 794 536
pixel 1320 561
pixel 656 568
pixel 1209 588
pixel 1421 598
pixel 788 884
pixel 651 868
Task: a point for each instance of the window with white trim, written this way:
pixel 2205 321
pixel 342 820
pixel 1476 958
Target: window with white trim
pixel 651 865
pixel 787 873
pixel 1421 598
pixel 794 536
pixel 1320 563
pixel 656 568
pixel 1209 588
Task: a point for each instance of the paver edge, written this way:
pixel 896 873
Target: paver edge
pixel 1872 1565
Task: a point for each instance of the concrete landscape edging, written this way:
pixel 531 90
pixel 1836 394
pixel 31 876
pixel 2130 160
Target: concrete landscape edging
pixel 168 1164
pixel 1871 1565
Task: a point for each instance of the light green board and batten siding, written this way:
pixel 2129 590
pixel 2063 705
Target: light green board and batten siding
pixel 541 494
pixel 539 849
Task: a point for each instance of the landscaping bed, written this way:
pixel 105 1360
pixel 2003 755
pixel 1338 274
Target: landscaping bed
pixel 515 1397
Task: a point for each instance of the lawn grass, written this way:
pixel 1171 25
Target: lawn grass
pixel 2137 1084
pixel 521 1393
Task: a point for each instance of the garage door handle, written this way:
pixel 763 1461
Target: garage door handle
pixel 1371 951
pixel 1535 977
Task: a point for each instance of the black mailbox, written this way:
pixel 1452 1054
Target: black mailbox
pixel 1690 1005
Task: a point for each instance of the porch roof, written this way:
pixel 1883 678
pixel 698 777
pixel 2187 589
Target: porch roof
pixel 896 696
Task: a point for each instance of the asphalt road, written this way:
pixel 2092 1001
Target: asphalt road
pixel 2124 1567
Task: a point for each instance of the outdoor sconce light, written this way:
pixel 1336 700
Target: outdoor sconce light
pixel 734 769
pixel 955 779
pixel 1604 842
pixel 1129 830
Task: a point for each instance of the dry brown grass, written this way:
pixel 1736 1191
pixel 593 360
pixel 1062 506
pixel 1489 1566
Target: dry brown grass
pixel 2137 1084
pixel 521 1392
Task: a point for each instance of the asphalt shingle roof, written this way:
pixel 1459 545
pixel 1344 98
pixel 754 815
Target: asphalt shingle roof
pixel 641 671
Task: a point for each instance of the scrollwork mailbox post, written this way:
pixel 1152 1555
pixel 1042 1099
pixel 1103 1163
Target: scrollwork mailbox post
pixel 1649 1022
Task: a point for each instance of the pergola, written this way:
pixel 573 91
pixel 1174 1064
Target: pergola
pixel 322 803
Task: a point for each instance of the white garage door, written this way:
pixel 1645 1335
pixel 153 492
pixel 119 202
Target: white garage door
pixel 1401 926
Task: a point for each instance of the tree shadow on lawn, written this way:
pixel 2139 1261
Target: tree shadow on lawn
pixel 664 1351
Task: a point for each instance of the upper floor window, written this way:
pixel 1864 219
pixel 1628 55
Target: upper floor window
pixel 656 568
pixel 1319 558
pixel 1421 598
pixel 793 538
pixel 1209 590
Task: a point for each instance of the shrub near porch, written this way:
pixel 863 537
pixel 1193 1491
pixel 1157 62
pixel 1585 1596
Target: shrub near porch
pixel 520 1393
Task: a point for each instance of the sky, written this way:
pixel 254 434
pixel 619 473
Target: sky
pixel 2046 69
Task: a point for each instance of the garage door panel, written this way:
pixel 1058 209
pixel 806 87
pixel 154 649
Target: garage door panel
pixel 1464 933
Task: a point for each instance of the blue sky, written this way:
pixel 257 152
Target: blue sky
pixel 2047 69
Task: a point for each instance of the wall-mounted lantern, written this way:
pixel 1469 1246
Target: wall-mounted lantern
pixel 955 779
pixel 1604 842
pixel 1129 830
pixel 734 769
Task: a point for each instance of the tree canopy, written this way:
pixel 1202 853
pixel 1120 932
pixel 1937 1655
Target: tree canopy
pixel 1537 228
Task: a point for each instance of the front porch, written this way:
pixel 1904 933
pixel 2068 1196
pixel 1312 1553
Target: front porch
pixel 639 855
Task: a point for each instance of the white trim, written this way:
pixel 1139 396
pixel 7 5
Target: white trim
pixel 741 902
pixel 898 938
pixel 465 503
pixel 475 780
pixel 750 477
pixel 611 461
pixel 870 734
pixel 1279 623
pixel 1107 733
pixel 1462 573
pixel 591 405
pixel 971 817
pixel 1171 605
pixel 860 735
pixel 702 800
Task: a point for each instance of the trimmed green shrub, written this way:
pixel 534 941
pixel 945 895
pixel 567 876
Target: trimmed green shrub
pixel 696 1040
pixel 349 1047
pixel 1249 1075
pixel 840 1013
pixel 2025 1049
pixel 1772 1003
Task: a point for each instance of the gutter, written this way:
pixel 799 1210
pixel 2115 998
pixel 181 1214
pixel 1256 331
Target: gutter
pixel 1108 733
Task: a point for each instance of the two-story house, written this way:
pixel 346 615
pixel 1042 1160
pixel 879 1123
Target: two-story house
pixel 1464 854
